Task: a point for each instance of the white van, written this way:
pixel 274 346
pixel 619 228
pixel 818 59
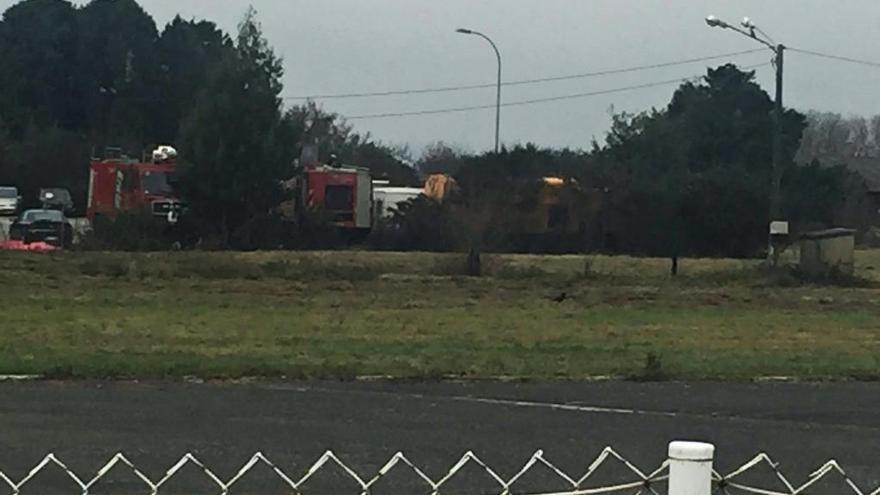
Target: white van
pixel 9 200
pixel 387 198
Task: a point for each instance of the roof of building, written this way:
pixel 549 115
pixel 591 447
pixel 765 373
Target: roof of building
pixel 828 234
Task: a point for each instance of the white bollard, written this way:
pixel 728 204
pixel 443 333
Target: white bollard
pixel 690 468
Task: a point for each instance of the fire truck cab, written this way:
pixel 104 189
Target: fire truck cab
pixel 119 184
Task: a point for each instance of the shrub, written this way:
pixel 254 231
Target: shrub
pixel 128 232
pixel 652 370
pixel 420 224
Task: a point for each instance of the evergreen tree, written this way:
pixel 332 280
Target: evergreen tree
pixel 229 142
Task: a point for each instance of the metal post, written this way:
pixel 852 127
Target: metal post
pixel 690 468
pixel 497 101
pixel 750 30
pixel 498 95
pixel 776 172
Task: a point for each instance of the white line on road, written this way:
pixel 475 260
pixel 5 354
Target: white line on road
pixel 552 405
pixel 486 400
pixel 574 407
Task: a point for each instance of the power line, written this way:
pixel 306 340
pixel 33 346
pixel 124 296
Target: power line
pixel 523 81
pixel 836 57
pixel 534 101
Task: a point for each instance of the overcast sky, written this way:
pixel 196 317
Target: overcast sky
pixel 344 46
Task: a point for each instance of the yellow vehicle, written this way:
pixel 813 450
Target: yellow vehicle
pixel 439 187
pixel 557 205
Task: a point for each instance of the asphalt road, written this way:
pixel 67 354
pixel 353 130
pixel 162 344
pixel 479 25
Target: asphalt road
pixel 800 426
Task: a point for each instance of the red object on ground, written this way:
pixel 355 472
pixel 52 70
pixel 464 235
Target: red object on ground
pixel 39 247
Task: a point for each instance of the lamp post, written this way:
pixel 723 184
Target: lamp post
pixel 750 30
pixel 498 98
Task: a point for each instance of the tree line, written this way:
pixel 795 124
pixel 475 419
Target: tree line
pixel 78 79
pixel 693 178
pixel 690 178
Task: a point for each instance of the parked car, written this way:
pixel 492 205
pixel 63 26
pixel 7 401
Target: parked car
pixel 9 200
pixel 49 226
pixel 56 198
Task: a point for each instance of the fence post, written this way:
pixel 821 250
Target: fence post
pixel 690 468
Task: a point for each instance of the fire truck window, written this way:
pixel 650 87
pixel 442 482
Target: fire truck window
pixel 338 198
pixel 156 183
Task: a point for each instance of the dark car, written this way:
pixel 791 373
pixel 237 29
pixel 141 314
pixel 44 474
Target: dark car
pixel 49 226
pixel 56 198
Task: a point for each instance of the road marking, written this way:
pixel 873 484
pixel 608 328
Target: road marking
pixel 485 400
pixel 581 408
pixel 553 405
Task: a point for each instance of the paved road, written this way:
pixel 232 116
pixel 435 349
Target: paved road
pixel 801 426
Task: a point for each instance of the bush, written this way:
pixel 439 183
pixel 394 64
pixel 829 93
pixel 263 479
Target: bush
pixel 128 232
pixel 652 370
pixel 313 230
pixel 420 224
pixel 264 231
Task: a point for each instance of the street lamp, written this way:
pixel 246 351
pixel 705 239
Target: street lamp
pixel 498 99
pixel 749 29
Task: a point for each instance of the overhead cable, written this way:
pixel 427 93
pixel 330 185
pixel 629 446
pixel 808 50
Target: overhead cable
pixel 836 57
pixel 520 82
pixel 536 100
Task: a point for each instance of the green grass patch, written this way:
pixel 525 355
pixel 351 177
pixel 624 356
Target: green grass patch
pixel 413 315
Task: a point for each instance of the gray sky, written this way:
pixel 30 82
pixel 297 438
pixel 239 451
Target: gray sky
pixel 343 46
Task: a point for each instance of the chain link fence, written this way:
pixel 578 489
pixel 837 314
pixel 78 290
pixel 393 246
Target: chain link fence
pixel 629 479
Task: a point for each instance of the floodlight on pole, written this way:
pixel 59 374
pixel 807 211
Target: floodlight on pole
pixel 713 21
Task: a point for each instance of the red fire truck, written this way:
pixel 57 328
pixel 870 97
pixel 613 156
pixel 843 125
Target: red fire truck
pixel 119 184
pixel 340 194
pixel 344 194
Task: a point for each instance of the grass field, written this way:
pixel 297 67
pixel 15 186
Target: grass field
pixel 340 315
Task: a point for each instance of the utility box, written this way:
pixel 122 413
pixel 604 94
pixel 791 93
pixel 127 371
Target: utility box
pixel 825 252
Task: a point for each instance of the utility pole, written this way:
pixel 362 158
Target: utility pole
pixel 775 224
pixel 778 113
